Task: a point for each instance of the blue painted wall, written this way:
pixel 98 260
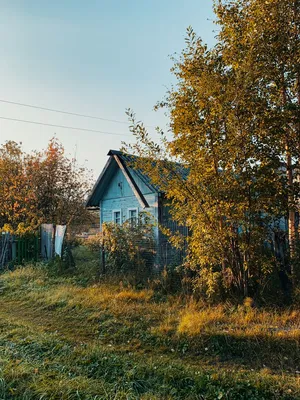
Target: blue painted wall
pixel 119 196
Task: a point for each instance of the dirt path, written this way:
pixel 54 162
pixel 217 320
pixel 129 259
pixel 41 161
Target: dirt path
pixel 70 326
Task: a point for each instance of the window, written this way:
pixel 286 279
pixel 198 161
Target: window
pixel 117 217
pixel 132 215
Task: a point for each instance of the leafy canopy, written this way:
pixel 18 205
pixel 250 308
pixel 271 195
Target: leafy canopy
pixel 232 130
pixel 40 187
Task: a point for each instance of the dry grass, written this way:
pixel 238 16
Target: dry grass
pixel 193 322
pixel 235 341
pixel 68 294
pixel 240 321
pixel 192 319
pixel 14 279
pixel 143 295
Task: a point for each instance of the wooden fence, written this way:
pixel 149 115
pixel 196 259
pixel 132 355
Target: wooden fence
pixel 14 249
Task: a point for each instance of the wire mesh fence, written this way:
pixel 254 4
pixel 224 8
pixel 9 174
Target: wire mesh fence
pixel 149 255
pixel 169 255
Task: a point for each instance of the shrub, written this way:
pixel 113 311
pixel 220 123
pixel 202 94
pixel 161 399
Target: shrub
pixel 208 284
pixel 129 248
pixel 172 279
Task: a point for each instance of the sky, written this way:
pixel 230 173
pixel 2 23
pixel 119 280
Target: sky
pixel 94 57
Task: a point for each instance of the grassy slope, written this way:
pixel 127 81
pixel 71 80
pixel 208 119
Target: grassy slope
pixel 62 341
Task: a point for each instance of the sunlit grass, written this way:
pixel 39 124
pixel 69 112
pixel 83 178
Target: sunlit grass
pixel 21 276
pixel 193 322
pixel 143 295
pixel 60 340
pixel 240 321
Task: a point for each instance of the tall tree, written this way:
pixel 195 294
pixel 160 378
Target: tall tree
pixel 60 186
pixel 261 39
pixel 234 114
pixel 41 187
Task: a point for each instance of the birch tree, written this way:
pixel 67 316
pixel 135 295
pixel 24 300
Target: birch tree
pixel 234 116
pixel 261 40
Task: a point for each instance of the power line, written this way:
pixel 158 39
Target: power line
pixel 66 112
pixel 64 126
pixel 63 112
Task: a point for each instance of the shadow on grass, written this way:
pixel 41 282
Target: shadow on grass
pixel 46 367
pixel 257 351
pixel 251 351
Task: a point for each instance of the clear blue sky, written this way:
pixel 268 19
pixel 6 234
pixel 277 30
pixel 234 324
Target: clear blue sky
pixel 94 57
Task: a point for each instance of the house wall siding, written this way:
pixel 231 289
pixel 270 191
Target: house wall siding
pixel 119 187
pixel 119 196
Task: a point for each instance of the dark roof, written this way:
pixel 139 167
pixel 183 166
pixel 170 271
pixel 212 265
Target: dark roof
pixel 130 162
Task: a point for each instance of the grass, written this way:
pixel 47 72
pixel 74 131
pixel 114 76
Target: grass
pixel 61 340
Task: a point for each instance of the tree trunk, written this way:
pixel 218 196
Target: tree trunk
pixel 289 174
pixel 291 215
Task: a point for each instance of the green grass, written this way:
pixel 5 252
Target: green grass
pixel 60 340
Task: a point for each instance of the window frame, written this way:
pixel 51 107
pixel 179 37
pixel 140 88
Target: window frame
pixel 128 214
pixel 113 216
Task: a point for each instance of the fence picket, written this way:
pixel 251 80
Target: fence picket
pixel 18 249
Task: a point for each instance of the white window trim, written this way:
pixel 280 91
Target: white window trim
pixel 132 209
pixel 113 215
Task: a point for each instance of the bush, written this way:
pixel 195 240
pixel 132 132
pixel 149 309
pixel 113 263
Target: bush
pixel 129 249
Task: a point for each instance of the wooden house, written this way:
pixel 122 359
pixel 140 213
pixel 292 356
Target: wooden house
pixel 122 191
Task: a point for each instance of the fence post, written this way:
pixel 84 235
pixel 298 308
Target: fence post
pixel 4 248
pixel 21 250
pixel 13 248
pixel 103 267
pixel 36 248
pixel 26 250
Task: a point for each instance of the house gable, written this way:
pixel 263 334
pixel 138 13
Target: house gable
pixel 119 197
pixel 135 180
pixel 120 188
